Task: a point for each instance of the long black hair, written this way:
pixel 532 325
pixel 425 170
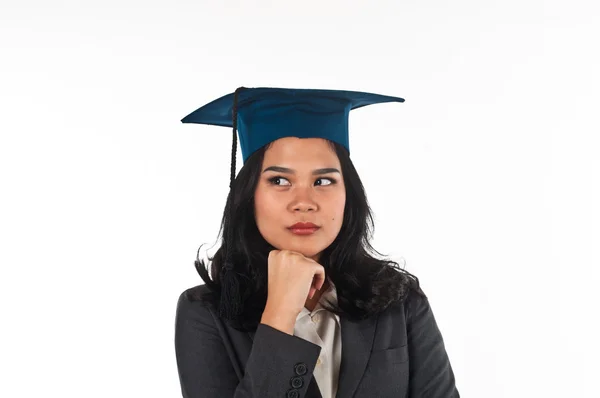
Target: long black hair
pixel 237 285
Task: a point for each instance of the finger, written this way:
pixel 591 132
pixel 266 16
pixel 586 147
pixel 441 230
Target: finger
pixel 320 280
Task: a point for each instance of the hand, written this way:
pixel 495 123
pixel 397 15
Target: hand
pixel 293 278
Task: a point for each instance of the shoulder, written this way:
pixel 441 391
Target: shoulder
pixel 197 301
pixel 196 293
pixel 414 301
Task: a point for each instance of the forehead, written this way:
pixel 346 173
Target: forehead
pixel 300 150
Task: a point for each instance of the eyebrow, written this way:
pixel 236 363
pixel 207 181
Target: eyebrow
pixel 291 171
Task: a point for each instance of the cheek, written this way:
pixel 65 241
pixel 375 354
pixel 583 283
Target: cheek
pixel 264 208
pixel 337 211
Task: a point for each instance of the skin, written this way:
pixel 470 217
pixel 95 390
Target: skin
pixel 300 197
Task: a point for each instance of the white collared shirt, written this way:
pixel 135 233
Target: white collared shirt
pixel 323 328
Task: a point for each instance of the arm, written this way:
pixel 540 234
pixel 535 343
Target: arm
pixel 430 372
pixel 205 369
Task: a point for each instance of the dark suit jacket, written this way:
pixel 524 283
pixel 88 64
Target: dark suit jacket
pixel 398 353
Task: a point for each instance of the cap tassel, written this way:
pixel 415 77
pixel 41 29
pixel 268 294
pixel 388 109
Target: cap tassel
pixel 230 303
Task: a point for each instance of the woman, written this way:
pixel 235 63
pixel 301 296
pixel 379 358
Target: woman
pixel 291 311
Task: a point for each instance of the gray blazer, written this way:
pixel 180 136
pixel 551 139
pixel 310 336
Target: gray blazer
pixel 398 353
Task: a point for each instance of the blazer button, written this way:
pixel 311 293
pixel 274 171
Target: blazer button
pixel 300 368
pixel 292 394
pixel 296 382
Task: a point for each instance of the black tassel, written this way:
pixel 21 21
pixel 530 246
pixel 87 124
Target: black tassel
pixel 230 303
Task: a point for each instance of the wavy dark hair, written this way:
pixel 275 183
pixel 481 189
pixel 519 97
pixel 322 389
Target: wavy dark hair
pixel 365 285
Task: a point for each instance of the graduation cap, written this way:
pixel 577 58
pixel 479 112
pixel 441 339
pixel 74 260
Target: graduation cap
pixel 264 114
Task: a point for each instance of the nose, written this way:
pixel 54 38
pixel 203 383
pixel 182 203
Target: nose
pixel 303 201
pixel 304 206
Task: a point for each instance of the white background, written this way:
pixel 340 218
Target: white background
pixel 485 181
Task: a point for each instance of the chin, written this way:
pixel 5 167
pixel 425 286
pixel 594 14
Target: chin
pixel 303 249
pixel 309 253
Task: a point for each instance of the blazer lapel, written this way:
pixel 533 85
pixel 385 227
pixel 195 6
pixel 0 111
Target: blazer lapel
pixel 313 390
pixel 357 340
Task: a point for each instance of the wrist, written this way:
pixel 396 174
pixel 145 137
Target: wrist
pixel 278 319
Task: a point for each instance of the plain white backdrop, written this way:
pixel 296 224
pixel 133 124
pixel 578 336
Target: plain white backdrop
pixel 485 183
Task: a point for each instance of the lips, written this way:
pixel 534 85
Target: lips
pixel 303 229
pixel 303 225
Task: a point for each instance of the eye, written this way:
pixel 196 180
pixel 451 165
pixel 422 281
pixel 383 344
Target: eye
pixel 273 180
pixel 331 181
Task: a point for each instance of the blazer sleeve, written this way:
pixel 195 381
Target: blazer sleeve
pixel 279 364
pixel 430 372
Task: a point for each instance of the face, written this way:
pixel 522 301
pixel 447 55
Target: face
pixel 294 194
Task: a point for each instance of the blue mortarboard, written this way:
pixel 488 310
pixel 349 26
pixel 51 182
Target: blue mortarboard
pixel 266 114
